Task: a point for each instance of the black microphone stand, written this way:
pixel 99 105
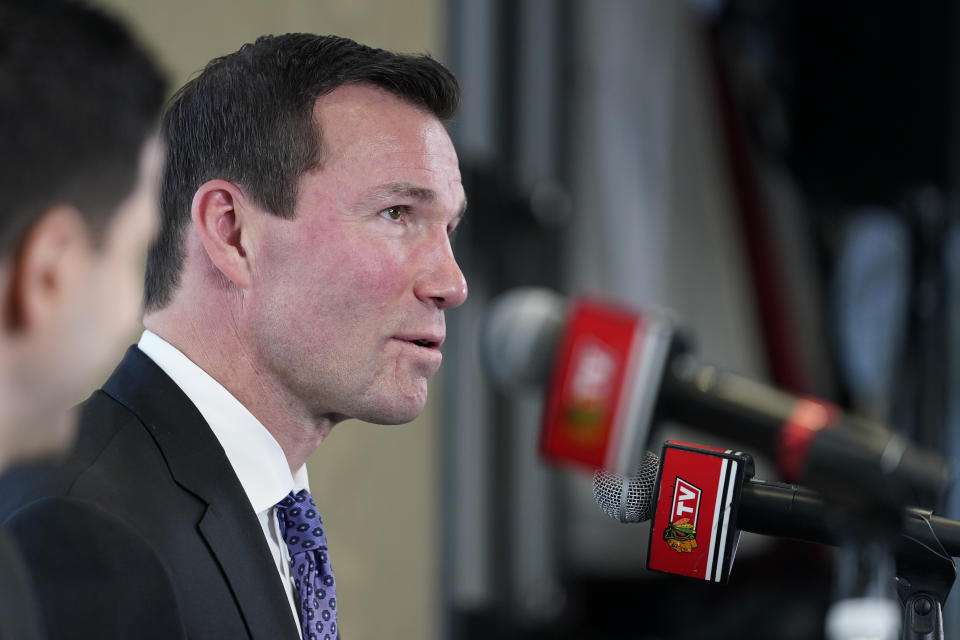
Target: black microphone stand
pixel 925 574
pixel 923 545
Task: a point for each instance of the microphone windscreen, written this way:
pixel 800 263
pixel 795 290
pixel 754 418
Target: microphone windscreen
pixel 519 336
pixel 628 499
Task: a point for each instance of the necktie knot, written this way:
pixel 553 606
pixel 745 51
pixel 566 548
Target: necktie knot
pixel 300 523
pixel 303 534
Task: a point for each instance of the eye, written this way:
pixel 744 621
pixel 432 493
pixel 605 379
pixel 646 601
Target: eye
pixel 395 214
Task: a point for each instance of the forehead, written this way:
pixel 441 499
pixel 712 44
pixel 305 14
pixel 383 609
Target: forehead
pixel 366 127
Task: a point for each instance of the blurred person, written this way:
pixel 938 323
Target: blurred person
pixel 300 278
pixel 79 165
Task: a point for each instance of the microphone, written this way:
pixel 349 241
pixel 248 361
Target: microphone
pixel 768 508
pixel 612 372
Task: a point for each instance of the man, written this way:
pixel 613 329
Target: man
pixel 300 278
pixel 79 163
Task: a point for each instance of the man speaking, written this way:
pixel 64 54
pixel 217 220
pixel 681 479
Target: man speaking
pixel 300 278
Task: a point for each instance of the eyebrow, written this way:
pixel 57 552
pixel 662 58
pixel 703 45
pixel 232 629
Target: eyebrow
pixel 405 189
pixel 416 192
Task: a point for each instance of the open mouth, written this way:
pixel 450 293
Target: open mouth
pixel 428 344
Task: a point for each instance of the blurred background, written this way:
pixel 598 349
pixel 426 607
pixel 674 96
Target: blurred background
pixel 782 174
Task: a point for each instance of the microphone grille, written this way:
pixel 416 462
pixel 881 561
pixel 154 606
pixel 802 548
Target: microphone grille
pixel 628 498
pixel 519 336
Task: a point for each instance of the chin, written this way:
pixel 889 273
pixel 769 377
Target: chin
pixel 391 403
pixel 396 413
pixel 394 417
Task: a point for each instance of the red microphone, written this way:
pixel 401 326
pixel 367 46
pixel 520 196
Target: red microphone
pixel 599 401
pixel 611 372
pixel 693 531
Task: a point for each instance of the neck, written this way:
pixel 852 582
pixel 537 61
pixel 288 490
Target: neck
pixel 217 347
pixel 37 420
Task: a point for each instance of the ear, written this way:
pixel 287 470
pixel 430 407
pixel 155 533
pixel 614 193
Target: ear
pixel 52 258
pixel 220 213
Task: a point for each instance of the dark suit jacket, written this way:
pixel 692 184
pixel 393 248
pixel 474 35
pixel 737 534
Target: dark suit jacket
pixel 18 616
pixel 145 531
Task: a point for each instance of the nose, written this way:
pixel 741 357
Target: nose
pixel 442 283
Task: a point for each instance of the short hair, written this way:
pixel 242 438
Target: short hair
pixel 78 99
pixel 248 119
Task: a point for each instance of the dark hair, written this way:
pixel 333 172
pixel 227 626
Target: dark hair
pixel 78 99
pixel 248 118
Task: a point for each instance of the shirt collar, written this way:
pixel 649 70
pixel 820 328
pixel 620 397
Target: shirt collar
pixel 253 452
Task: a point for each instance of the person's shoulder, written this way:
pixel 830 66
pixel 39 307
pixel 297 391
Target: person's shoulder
pixel 72 544
pixel 104 422
pixel 42 522
pixel 111 443
pixel 18 615
pixel 100 419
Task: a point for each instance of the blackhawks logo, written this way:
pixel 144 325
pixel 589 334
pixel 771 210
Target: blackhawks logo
pixel 681 536
pixel 591 392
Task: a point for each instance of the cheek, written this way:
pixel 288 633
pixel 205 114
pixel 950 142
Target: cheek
pixel 120 282
pixel 128 272
pixel 122 270
pixel 102 321
pixel 121 291
pixel 350 274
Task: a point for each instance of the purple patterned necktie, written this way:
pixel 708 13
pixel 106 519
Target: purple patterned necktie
pixel 310 565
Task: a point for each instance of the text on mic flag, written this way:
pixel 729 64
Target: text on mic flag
pixel 694 530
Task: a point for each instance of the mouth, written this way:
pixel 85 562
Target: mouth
pixel 426 342
pixel 429 341
pixel 425 351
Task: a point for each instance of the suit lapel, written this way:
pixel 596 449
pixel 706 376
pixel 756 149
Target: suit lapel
pixel 266 610
pixel 198 464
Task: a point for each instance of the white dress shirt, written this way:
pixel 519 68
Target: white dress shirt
pixel 254 454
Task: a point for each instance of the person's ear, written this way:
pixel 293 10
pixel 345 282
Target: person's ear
pixel 219 213
pixel 47 264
